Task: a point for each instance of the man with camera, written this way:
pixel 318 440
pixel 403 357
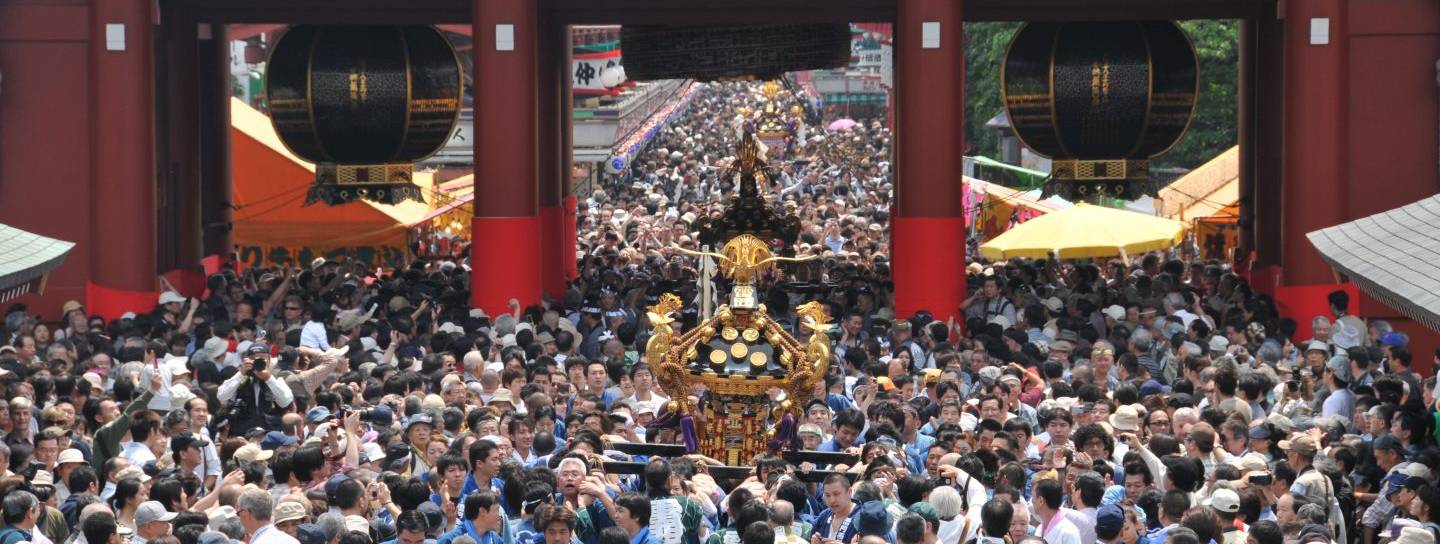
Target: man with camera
pixel 248 403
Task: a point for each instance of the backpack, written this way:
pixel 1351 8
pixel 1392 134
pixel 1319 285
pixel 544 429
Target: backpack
pixel 11 535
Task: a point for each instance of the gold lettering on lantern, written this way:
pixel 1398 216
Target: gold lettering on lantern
pixel 359 86
pixel 1100 81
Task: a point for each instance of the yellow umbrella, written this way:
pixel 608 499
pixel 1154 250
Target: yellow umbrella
pixel 1085 231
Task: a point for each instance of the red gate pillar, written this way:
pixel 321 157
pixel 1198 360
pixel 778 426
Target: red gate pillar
pixel 554 169
pixel 928 227
pixel 505 254
pixel 122 140
pixel 1316 58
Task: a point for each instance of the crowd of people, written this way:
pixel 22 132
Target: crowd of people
pixel 1149 402
pixel 837 183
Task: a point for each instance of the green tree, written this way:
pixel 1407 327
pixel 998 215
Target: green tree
pixel 985 45
pixel 1212 131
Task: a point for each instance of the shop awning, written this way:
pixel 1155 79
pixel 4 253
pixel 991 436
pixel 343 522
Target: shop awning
pixel 25 259
pixel 1204 191
pixel 1393 256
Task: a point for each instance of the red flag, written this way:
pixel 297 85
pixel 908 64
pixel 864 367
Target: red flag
pixel 214 264
pixel 110 303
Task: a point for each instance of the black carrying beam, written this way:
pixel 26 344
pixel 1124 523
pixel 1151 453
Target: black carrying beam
pixel 652 450
pixel 820 457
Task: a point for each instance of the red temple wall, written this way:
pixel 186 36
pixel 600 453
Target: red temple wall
pixel 45 162
pixel 1394 125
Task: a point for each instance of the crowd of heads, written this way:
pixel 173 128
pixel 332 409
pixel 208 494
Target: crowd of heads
pixel 839 184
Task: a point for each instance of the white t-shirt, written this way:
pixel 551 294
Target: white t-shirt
pixel 1062 531
pixel 136 453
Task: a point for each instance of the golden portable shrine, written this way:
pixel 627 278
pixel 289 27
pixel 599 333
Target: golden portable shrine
pixel 739 354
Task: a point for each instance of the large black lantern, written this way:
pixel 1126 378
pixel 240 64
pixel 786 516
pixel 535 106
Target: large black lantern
pixel 364 103
pixel 1101 99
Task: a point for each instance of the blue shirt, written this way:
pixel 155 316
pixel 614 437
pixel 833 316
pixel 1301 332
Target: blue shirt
pixel 470 486
pixel 467 529
pixel 822 525
pixel 832 446
pixel 917 451
pixel 525 531
pixel 644 537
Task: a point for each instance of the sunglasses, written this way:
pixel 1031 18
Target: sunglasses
pixel 291 309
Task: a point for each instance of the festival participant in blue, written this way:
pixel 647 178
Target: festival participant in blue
pixel 632 513
pixel 556 524
pixel 484 521
pixel 485 461
pixel 453 476
pixel 917 444
pixel 677 520
pixel 849 424
pixel 537 494
pixel 837 522
pixel 411 528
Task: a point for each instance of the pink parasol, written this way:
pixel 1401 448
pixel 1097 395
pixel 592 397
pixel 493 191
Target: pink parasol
pixel 842 124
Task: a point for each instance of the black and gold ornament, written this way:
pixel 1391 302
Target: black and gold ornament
pixel 364 103
pixel 1101 99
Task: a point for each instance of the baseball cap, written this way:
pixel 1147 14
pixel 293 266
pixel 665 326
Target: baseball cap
pixel 318 415
pixel 1053 304
pixel 1110 518
pixel 288 511
pixel 332 485
pixel 186 440
pixel 277 439
pixel 251 453
pixel 256 349
pixel 310 533
pixel 1219 343
pixel 1339 365
pixel 1224 500
pixel 811 428
pixel 872 519
pixel 1259 432
pixel 167 298
pixel 927 511
pixel 1387 442
pixel 371 452
pixel 149 511
pixel 1316 345
pixel 1393 482
pixel 1303 445
pixel 1392 339
pixel 1153 387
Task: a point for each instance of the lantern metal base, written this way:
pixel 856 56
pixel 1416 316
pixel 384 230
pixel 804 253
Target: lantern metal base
pixel 1090 179
pixel 337 184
